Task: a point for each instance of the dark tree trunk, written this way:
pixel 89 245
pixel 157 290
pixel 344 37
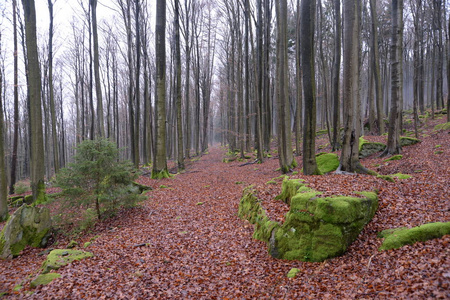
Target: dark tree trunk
pixel 307 20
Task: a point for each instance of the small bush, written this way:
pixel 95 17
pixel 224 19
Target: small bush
pixel 21 187
pixel 98 178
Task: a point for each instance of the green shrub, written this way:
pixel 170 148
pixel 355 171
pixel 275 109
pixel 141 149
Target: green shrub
pixel 97 177
pixel 21 187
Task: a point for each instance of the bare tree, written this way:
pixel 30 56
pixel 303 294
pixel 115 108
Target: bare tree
pixel 395 118
pixel 55 145
pixel 349 161
pixel 375 59
pixel 16 103
pixel 178 97
pixel 3 179
pixel 34 105
pixel 160 161
pixel 307 20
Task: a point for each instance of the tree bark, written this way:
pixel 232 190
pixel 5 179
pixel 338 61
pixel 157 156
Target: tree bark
pixel 98 90
pixel 336 72
pixel 160 161
pixel 51 90
pixel 396 51
pixel 35 111
pixel 307 20
pixel 349 161
pixel 3 179
pixel 16 103
pixel 376 67
pixel 180 153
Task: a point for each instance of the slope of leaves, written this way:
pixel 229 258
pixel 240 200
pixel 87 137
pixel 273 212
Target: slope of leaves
pixel 186 240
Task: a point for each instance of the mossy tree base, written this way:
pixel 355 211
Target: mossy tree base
pixel 399 237
pixel 160 174
pixel 315 228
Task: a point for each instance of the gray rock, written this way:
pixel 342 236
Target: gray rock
pixel 27 226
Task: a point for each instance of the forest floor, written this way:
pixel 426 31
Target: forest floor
pixel 186 240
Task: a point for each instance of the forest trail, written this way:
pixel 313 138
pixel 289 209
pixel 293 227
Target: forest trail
pixel 186 240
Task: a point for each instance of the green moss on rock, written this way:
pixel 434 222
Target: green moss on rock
pixel 315 228
pixel 367 148
pixel 293 272
pixel 397 238
pixel 386 177
pixel 289 188
pixel 44 279
pixel 327 162
pixel 27 226
pixel 60 257
pixel 320 228
pixel 402 176
pixel 407 141
pixel 444 126
pixel 394 157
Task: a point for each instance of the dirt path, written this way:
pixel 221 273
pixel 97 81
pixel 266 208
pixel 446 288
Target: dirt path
pixel 186 241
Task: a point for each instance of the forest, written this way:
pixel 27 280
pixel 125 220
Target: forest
pixel 171 144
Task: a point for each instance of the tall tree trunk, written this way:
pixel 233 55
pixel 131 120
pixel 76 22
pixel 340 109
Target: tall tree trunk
pixel 180 153
pixel 160 161
pixel 51 90
pixel 259 84
pixel 416 17
pixel 286 157
pixel 448 72
pixel 137 91
pixel 307 20
pixel 349 161
pixel 3 179
pixel 16 103
pixel 266 111
pixel 35 111
pixel 298 75
pixel 336 72
pixel 376 67
pixel 98 90
pixel 247 76
pixel 393 145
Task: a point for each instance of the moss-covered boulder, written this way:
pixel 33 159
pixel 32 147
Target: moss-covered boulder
pixel 289 188
pixel 315 228
pixel 408 141
pixel 60 257
pixel 27 226
pixel 443 126
pixel 367 148
pixel 320 228
pixel 396 238
pixel 43 279
pixel 327 162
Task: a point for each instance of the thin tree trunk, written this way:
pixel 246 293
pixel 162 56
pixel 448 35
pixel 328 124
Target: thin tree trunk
pixel 307 20
pixel 137 87
pixel 51 92
pixel 376 67
pixel 16 103
pixel 3 179
pixel 98 89
pixel 298 74
pixel 180 152
pixel 336 76
pixel 393 145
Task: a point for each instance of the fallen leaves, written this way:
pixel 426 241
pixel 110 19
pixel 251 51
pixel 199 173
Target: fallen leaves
pixel 174 247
